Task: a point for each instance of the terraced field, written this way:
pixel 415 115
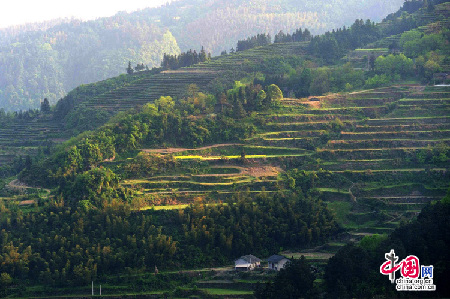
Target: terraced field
pixel 149 87
pixel 379 131
pixel 24 137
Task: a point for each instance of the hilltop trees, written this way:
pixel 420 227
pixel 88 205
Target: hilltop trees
pixel 130 69
pixel 138 68
pixel 185 59
pixel 45 106
pixel 264 39
pixel 254 41
pixel 297 36
pixel 332 45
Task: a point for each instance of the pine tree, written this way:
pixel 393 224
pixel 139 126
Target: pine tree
pixel 202 55
pixel 45 106
pixel 129 68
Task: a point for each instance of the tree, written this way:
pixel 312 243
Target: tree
pixel 28 162
pixel 130 70
pixel 238 110
pixel 260 98
pixel 320 83
pixel 293 281
pixel 45 106
pixel 274 94
pixel 203 57
pixel 372 62
pixel 5 279
pixel 165 104
pixel 351 262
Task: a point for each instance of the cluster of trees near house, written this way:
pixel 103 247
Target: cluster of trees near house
pixel 423 55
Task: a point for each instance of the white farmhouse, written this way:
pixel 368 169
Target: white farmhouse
pixel 247 262
pixel 277 262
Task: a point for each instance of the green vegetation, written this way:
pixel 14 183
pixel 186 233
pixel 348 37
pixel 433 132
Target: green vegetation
pixel 359 261
pixel 37 64
pixel 74 53
pixel 295 280
pixel 191 168
pixel 199 235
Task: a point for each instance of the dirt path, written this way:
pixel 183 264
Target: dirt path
pixel 172 150
pixel 351 193
pixel 303 101
pixel 18 185
pixel 258 171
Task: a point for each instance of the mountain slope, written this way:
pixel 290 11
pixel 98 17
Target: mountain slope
pixel 35 64
pixel 47 64
pixel 217 24
pixel 204 178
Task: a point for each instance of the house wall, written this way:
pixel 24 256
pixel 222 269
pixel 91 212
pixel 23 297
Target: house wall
pixel 279 265
pixel 241 264
pixel 282 263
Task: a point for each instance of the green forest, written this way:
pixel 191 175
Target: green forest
pixel 328 149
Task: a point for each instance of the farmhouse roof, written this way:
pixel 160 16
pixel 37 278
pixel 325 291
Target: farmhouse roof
pixel 276 258
pixel 250 258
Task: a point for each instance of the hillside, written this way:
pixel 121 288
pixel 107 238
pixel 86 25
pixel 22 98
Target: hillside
pixel 361 146
pixel 152 183
pixel 47 64
pixel 89 106
pixel 78 52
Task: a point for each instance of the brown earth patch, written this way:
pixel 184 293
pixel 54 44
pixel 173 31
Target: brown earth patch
pixel 262 171
pixel 26 202
pixel 172 150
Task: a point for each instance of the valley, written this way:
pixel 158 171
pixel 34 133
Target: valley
pixel 328 151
